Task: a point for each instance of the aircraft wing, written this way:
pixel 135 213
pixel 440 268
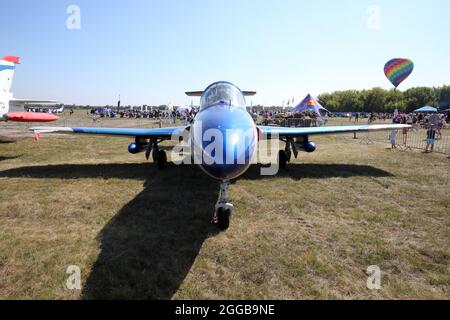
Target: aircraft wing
pixel 32 101
pixel 165 133
pixel 268 131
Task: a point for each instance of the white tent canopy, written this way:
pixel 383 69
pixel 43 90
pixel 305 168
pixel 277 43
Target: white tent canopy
pixel 184 109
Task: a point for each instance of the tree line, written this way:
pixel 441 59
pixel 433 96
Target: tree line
pixel 381 100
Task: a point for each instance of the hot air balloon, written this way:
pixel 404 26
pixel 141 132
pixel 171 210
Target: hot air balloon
pixel 397 70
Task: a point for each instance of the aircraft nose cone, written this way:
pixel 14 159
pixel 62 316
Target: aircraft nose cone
pixel 231 157
pixel 228 142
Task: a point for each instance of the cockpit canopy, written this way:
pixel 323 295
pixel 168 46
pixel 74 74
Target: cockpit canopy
pixel 222 93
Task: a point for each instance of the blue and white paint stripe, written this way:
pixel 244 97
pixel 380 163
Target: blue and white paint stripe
pixel 4 67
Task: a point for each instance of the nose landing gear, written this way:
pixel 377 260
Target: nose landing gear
pixel 223 208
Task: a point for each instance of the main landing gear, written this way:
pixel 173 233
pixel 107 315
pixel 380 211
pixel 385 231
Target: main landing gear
pixel 284 156
pixel 223 208
pixel 283 159
pixel 159 156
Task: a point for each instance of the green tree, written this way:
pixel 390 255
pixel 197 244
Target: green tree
pixel 419 97
pixel 395 100
pixel 444 97
pixel 380 100
pixel 374 99
pixel 351 100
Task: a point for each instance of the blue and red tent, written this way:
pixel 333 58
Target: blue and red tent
pixel 309 104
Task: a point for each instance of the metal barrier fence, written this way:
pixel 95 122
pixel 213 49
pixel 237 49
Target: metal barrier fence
pixel 415 138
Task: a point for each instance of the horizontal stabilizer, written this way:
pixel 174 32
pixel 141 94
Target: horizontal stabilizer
pixel 194 93
pixel 199 93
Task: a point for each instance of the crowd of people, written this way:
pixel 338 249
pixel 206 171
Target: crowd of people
pixel 283 117
pixel 187 114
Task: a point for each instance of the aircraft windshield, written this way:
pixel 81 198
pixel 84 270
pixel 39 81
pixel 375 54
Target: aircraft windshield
pixel 222 92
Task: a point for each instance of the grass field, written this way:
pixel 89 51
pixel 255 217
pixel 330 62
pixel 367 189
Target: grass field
pixel 308 233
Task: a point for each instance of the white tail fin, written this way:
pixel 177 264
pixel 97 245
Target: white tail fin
pixel 7 67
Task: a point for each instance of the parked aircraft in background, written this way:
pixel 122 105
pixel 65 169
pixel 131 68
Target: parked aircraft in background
pixel 223 138
pixel 57 110
pixel 12 109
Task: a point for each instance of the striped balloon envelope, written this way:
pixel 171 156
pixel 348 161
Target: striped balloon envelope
pixel 397 70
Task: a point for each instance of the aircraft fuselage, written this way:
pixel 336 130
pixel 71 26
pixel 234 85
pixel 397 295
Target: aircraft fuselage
pixel 223 133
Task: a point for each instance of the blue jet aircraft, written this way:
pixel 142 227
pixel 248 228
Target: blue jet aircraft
pixel 223 111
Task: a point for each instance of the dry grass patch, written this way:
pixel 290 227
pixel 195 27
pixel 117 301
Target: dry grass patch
pixel 136 232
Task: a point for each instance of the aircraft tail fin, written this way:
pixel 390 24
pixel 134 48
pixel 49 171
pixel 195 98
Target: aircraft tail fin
pixel 7 68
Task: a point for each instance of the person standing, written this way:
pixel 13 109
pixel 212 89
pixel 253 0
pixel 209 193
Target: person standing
pixel 405 130
pixel 433 121
pixel 393 138
pixel 405 136
pixel 431 136
pixel 266 118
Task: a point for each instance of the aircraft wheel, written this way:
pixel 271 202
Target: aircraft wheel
pixel 161 159
pixel 223 218
pixel 282 159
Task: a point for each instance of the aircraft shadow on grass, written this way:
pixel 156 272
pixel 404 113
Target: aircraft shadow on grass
pixel 4 158
pixel 6 141
pixel 297 171
pixel 149 246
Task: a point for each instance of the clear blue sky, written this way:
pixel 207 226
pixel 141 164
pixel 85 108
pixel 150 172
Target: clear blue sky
pixel 152 51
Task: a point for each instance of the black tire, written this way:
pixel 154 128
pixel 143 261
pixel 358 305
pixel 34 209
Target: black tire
pixel 282 159
pixel 223 219
pixel 162 159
